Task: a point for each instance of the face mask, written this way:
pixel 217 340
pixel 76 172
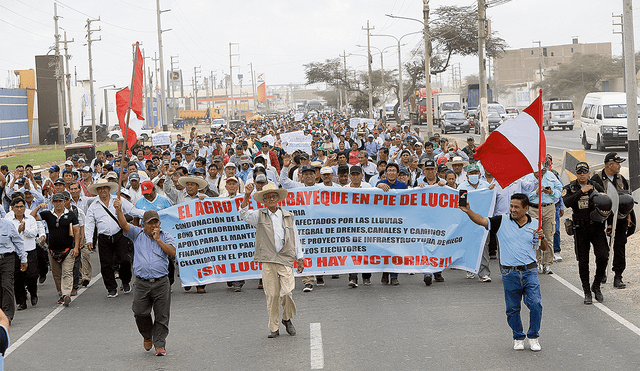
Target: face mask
pixel 474 179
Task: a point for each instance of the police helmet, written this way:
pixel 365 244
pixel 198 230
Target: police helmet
pixel 626 203
pixel 602 207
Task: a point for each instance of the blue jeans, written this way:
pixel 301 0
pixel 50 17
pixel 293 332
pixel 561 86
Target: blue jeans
pixel 556 236
pixel 518 285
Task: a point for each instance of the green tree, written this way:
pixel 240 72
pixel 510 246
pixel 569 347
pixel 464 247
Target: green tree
pixel 584 74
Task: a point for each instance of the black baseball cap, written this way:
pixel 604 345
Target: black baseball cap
pixel 355 170
pixel 613 156
pixel 430 164
pixel 582 166
pixel 307 168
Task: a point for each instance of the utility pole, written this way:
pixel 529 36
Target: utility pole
pixel 346 91
pixel 427 66
pixel 253 89
pixel 539 58
pixel 231 81
pixel 482 113
pixel 163 102
pixel 369 61
pixel 171 85
pixel 68 76
pixel 58 75
pixel 145 87
pixel 621 33
pixel 226 98
pixel 196 71
pixel 93 108
pixel 212 81
pixel 632 94
pixel 156 89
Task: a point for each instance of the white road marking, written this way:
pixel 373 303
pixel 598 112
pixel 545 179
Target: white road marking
pixel 48 318
pixel 600 306
pixel 317 354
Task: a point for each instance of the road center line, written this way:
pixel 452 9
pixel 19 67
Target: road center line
pixel 317 354
pixel 48 318
pixel 600 306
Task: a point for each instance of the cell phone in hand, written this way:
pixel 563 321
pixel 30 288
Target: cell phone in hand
pixel 462 199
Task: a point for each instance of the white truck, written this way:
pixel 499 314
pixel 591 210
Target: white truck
pixel 444 103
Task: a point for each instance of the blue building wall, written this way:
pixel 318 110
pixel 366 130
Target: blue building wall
pixel 14 123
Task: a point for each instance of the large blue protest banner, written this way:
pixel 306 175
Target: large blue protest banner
pixel 342 230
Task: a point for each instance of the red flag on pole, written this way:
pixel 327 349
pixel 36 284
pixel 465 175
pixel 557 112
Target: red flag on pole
pixel 517 147
pixel 138 90
pixel 122 104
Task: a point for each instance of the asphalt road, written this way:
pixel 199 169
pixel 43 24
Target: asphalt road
pixel 458 325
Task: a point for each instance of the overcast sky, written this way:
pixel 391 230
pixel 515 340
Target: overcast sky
pixel 277 36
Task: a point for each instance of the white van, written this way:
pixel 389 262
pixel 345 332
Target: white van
pixel 558 113
pixel 604 120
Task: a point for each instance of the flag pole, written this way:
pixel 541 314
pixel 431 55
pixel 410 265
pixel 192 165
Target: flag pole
pixel 540 160
pixel 126 133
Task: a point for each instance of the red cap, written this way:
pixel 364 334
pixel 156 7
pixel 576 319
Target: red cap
pixel 147 187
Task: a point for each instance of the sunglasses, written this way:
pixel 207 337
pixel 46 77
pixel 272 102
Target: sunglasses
pixel 582 171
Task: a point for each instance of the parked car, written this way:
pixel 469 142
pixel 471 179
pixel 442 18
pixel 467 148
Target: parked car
pixel 512 112
pixel 85 134
pixel 494 120
pixel 454 121
pixel 116 133
pixel 217 124
pixel 496 107
pixel 558 113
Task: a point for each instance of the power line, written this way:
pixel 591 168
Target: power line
pixel 24 29
pixel 136 6
pixel 105 22
pixel 33 20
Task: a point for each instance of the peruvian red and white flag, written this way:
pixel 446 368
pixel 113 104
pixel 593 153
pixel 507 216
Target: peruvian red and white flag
pixel 517 147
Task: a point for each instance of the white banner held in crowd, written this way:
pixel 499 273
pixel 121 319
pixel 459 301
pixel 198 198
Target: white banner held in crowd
pixel 298 116
pixel 269 138
pixel 353 123
pixel 161 139
pixel 296 140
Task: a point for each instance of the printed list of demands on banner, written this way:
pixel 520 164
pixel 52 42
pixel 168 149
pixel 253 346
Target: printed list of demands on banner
pixel 210 232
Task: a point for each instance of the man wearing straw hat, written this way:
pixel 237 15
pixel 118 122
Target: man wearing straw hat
pixel 113 244
pixel 192 184
pixel 277 247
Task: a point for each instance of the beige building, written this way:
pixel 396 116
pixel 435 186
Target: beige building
pixel 523 65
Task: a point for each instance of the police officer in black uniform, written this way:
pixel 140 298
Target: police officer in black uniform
pixel 610 176
pixel 580 195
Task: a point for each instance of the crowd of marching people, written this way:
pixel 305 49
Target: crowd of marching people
pixel 54 220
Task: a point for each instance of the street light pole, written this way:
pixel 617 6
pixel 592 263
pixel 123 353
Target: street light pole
pixel 427 67
pixel 481 71
pixel 369 64
pixel 400 83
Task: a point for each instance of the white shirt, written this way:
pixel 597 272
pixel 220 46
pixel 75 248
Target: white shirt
pixel 30 229
pixel 97 216
pixel 252 216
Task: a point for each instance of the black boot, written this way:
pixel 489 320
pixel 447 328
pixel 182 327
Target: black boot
pixel 587 297
pixel 617 282
pixel 597 293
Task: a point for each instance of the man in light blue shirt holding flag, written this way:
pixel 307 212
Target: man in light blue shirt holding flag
pixel 551 190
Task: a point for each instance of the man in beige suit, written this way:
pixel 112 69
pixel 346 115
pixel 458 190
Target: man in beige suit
pixel 277 248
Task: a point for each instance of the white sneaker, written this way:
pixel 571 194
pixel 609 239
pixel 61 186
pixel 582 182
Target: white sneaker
pixel 534 344
pixel 471 275
pixel 557 257
pixel 485 278
pixel 546 270
pixel 518 344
